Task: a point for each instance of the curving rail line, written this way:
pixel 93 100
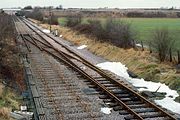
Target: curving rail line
pixel 125 99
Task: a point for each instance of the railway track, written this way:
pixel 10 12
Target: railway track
pixel 116 93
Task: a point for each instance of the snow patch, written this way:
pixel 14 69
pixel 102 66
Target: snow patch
pixel 106 110
pixel 121 70
pixel 115 67
pixel 46 31
pixel 169 104
pixel 138 45
pixel 83 67
pixel 152 86
pixel 82 47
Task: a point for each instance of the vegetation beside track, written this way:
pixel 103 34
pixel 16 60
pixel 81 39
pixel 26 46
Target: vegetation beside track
pixel 11 72
pixel 145 26
pixel 142 63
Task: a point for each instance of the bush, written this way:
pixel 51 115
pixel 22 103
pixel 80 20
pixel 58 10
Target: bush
pixel 178 14
pixel 35 14
pixel 28 7
pixel 162 42
pixel 97 29
pixel 53 20
pixel 83 28
pixel 73 21
pixel 10 68
pixel 119 33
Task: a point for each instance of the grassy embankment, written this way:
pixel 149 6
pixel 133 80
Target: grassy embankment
pixel 142 63
pixel 8 100
pixel 11 72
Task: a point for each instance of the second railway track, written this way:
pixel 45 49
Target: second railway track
pixel 115 93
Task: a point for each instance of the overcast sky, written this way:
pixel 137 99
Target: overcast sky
pixel 92 3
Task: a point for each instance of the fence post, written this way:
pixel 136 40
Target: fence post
pixel 134 43
pixel 150 48
pixel 142 46
pixel 170 55
pixel 178 57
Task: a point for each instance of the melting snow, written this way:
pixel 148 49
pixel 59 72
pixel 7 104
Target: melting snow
pixel 170 104
pixel 46 31
pixel 82 47
pixel 106 110
pixel 138 45
pixel 121 70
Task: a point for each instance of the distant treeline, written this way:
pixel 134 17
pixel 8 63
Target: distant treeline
pixel 116 13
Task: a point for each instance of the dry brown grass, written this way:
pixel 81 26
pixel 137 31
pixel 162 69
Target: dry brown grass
pixel 1 89
pixel 8 101
pixel 4 113
pixel 142 63
pixel 134 59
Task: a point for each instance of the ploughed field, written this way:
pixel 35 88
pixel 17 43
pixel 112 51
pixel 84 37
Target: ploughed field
pixel 145 26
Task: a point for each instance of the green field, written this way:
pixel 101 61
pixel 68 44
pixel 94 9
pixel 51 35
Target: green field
pixel 145 26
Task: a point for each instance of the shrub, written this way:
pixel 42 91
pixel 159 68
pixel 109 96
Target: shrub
pixel 178 14
pixel 97 29
pixel 28 7
pixel 54 20
pixel 72 21
pixel 162 42
pixel 83 28
pixel 119 33
pixel 35 14
pixel 10 66
pixel 51 20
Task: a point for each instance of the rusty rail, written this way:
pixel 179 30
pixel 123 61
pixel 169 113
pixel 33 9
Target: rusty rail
pixel 66 59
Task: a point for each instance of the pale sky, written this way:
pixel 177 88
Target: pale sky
pixel 92 3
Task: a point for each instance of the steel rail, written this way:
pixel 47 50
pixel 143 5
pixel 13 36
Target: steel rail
pixel 25 39
pixel 102 87
pixel 49 91
pixel 103 73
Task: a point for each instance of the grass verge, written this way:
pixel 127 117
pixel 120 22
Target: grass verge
pixel 9 101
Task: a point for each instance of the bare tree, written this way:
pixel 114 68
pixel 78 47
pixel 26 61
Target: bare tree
pixel 35 14
pixel 116 32
pixel 97 30
pixel 162 42
pixel 120 33
pixel 73 21
pixel 29 7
